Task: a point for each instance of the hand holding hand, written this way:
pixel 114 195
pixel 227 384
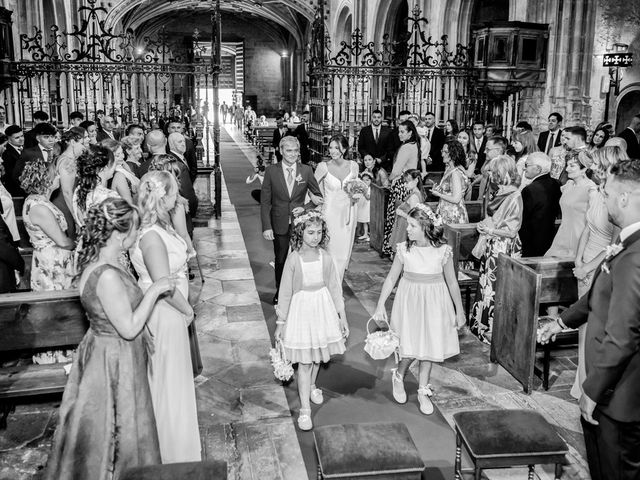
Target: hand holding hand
pixel 189 316
pixel 548 331
pixel 316 199
pixel 268 234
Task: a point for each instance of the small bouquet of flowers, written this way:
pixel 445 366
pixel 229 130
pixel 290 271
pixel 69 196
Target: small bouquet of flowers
pixel 355 190
pixel 282 368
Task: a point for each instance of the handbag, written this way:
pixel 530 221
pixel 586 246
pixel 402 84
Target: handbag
pixel 282 368
pixel 381 344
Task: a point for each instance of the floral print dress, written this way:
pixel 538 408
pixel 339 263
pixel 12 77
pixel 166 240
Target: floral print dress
pixel 453 213
pixel 52 266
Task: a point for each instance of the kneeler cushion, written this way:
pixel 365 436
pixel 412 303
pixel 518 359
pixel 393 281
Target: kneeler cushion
pixel 173 471
pixel 366 449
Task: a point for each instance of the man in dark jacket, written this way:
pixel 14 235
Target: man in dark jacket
pixel 375 141
pixel 11 157
pixel 630 135
pixel 541 204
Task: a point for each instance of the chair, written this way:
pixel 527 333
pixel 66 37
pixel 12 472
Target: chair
pixel 506 438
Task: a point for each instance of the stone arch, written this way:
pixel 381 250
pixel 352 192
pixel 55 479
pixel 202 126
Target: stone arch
pixel 627 105
pixel 343 25
pixel 388 17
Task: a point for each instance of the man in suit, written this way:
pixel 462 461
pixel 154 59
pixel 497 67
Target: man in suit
pixel 156 144
pixel 279 133
pixel 30 136
pixel 540 206
pixel 551 138
pixel 611 390
pixel 437 139
pixel 284 188
pixel 479 145
pixel 175 125
pixel 630 135
pixel 107 130
pixel 374 141
pixel 177 146
pixel 46 138
pixel 11 156
pixel 75 119
pixel 302 134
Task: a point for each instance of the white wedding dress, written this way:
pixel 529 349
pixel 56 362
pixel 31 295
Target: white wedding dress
pixel 340 215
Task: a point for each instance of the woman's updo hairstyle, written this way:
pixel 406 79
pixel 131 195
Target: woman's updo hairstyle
pixel 74 133
pixel 413 174
pixel 431 224
pixel 90 163
pixel 154 187
pixel 37 176
pixel 342 142
pixel 112 214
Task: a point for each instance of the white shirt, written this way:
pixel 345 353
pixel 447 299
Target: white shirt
pixel 45 153
pixel 376 132
pixel 285 170
pixel 629 230
pixel 478 143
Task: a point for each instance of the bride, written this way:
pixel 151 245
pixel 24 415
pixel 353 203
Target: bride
pixel 339 212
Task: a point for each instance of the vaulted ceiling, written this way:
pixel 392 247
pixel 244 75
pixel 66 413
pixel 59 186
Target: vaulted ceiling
pixel 146 16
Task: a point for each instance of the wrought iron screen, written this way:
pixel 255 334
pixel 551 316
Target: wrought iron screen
pixel 416 73
pixel 91 68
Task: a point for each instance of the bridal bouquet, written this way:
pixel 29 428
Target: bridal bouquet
pixel 355 190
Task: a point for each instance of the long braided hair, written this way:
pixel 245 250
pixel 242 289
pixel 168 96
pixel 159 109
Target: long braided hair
pixel 90 163
pixel 112 214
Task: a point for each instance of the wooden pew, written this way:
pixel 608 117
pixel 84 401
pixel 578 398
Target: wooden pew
pixel 522 286
pixel 462 238
pixel 32 321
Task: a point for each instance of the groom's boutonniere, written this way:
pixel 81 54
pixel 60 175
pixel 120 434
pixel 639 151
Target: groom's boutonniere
pixel 299 179
pixel 610 252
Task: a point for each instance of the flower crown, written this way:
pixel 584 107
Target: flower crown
pixel 156 186
pixel 311 214
pixel 435 219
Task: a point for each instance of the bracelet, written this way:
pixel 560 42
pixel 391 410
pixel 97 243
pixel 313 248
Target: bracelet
pixel 280 322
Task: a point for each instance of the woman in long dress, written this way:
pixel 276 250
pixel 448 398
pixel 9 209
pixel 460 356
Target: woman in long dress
pixel 340 212
pixel 106 423
pixel 407 158
pixel 453 185
pixel 598 233
pixel 159 251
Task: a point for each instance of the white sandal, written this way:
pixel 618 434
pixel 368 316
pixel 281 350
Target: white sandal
pixel 316 395
pixel 304 419
pixel 424 394
pixel 397 382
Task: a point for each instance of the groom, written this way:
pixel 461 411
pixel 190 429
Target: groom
pixel 610 403
pixel 284 188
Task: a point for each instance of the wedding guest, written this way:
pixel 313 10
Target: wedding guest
pixel 74 142
pixel 600 137
pixel 413 185
pixel 524 143
pixel 364 206
pixel 95 168
pixel 425 147
pixel 498 234
pixel 407 158
pixel 540 201
pixel 378 174
pixel 158 252
pixel 451 128
pixel 11 157
pixel 106 423
pixel 45 138
pixel 453 185
pixel 471 156
pixel 7 209
pixel 375 142
pixel 132 146
pixel 92 130
pixel 598 233
pixel 124 181
pixel 340 211
pixel 52 264
pixel 427 306
pixel 11 262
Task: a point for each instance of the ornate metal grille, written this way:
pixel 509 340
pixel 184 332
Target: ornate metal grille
pixel 416 73
pixel 91 68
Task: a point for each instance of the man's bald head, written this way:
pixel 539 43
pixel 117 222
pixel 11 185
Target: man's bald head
pixel 177 143
pixel 156 142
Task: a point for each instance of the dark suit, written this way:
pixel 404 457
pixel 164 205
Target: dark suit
pixel 437 142
pixel 10 260
pixel 611 310
pixel 190 158
pixel 102 135
pixel 481 155
pixel 382 149
pixel 185 188
pixel 30 140
pixel 28 155
pixel 302 134
pixel 10 159
pixel 275 143
pixel 541 204
pixel 633 149
pixel 543 138
pixel 276 206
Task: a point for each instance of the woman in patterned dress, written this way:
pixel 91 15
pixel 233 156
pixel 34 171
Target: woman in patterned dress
pixel 406 158
pixel 498 234
pixel 453 185
pixel 52 264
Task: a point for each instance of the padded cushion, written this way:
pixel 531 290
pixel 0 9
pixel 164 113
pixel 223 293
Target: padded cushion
pixel 172 471
pixel 490 433
pixel 366 448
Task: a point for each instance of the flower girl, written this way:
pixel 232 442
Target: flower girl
pixel 427 306
pixel 311 320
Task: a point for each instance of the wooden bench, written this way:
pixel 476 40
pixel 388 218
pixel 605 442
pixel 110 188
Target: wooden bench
pixel 462 237
pixel 522 287
pixel 262 140
pixel 33 321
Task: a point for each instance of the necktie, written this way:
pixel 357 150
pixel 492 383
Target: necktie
pixel 376 135
pixel 551 142
pixel 429 134
pixel 289 176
